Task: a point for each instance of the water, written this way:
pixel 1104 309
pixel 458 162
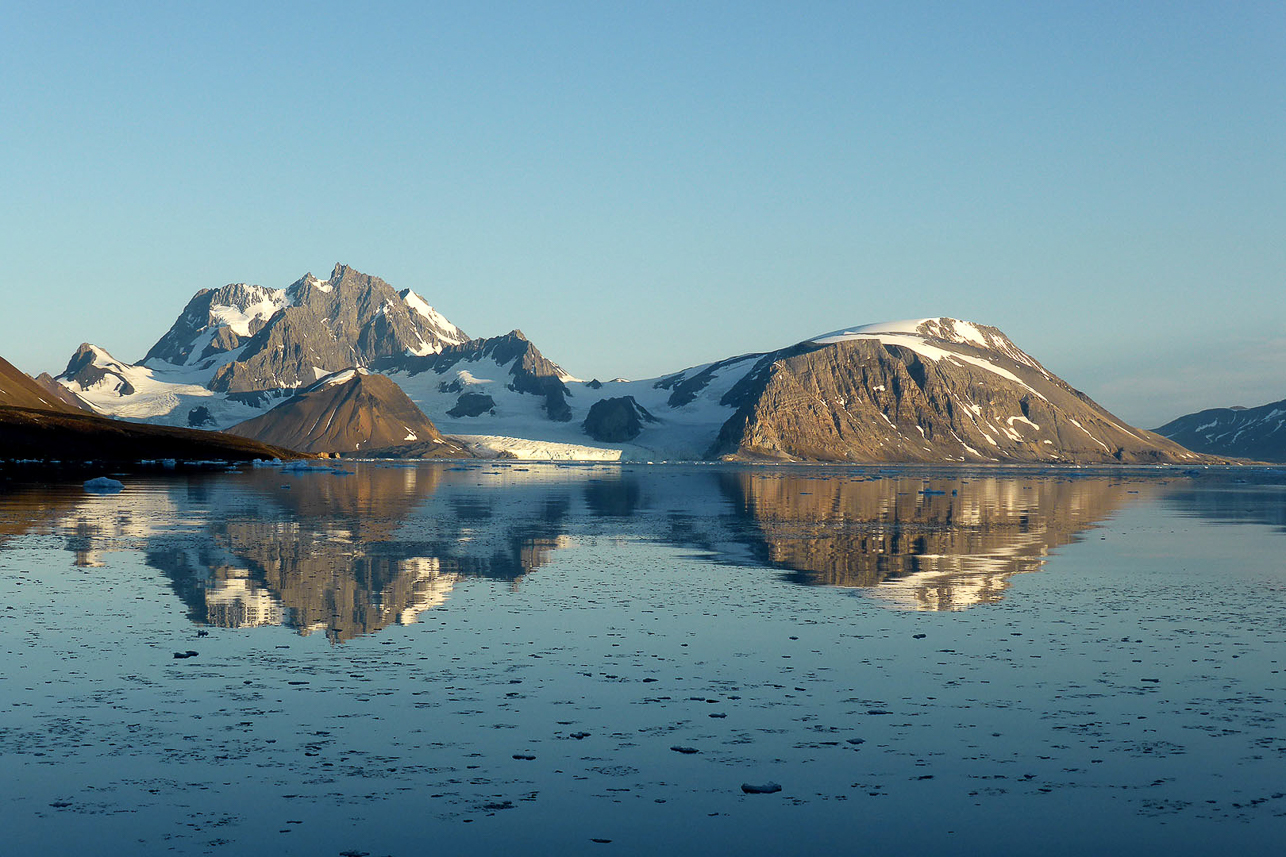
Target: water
pixel 470 658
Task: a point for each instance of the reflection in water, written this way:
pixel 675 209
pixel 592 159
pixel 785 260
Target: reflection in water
pixel 1239 501
pixel 351 554
pixel 927 544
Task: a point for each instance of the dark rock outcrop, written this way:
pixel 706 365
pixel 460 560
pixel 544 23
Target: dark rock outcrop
pixel 200 417
pixel 472 405
pixel 616 420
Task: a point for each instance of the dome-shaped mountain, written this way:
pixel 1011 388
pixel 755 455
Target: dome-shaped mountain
pixel 935 389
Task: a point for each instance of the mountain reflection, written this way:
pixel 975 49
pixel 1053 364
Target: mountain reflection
pixel 919 543
pixel 347 554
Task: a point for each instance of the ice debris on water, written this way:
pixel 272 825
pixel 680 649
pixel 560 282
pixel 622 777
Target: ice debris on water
pixel 104 485
pixel 304 466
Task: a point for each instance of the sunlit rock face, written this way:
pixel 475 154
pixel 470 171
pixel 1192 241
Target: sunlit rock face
pixel 349 412
pixel 925 544
pixel 930 390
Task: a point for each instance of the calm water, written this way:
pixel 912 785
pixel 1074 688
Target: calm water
pixel 536 658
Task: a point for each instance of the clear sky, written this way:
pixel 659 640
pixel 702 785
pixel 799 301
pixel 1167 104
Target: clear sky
pixel 643 186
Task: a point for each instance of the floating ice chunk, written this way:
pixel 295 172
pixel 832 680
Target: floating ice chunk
pixel 104 485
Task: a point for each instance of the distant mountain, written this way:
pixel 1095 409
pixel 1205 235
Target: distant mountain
pixel 350 411
pixel 1257 433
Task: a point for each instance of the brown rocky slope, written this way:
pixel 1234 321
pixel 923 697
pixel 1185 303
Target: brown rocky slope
pixel 350 411
pixel 932 390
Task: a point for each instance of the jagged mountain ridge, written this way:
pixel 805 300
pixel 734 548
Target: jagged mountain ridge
pixel 237 351
pixel 1257 433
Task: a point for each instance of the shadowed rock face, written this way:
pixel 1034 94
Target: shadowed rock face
pixel 472 405
pixel 1257 433
pixel 616 420
pixel 867 400
pixel 352 411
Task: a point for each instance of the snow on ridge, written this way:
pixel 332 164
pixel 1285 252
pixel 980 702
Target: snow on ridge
pixel 341 377
pixel 239 318
pixel 445 329
pixel 863 331
pixel 941 328
pixel 920 334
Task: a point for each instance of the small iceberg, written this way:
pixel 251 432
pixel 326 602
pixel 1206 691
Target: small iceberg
pixel 103 485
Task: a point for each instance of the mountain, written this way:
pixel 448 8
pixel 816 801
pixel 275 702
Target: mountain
pixel 924 390
pixel 58 391
pixel 350 411
pixel 935 389
pixel 38 424
pixel 237 351
pixel 1258 433
pixel 19 390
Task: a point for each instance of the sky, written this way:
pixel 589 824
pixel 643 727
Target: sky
pixel 641 187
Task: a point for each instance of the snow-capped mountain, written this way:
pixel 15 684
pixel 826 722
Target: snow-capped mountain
pixel 934 389
pixel 1258 433
pixel 923 390
pixel 931 389
pixel 237 350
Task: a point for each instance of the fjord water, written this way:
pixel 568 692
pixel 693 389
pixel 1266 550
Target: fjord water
pixel 540 658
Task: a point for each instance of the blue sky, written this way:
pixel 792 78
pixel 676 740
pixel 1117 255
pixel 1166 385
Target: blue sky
pixel 641 187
